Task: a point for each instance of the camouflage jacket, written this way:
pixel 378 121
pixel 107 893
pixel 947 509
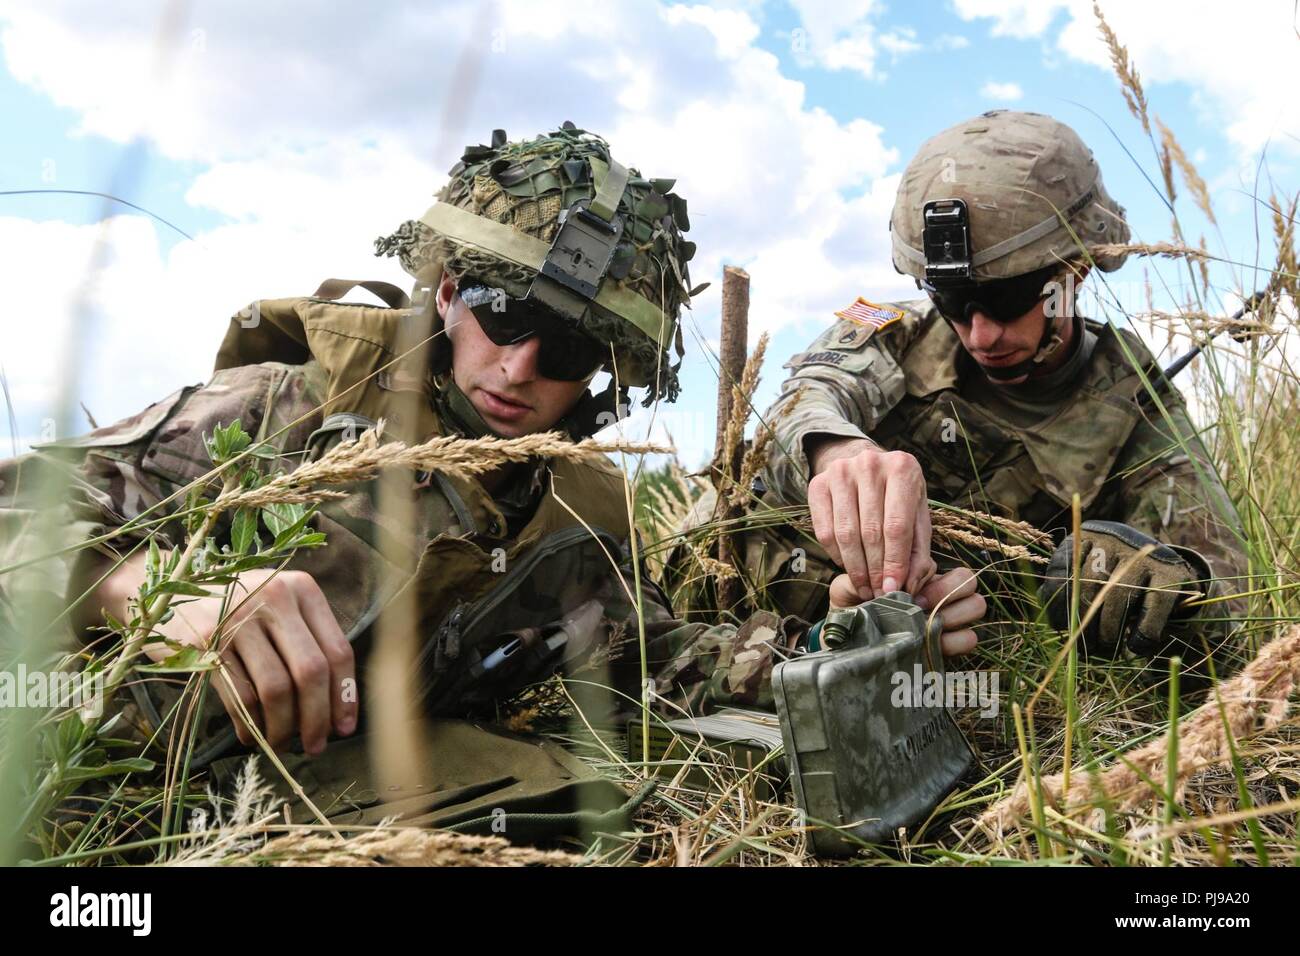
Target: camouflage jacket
pixel 552 584
pixel 911 386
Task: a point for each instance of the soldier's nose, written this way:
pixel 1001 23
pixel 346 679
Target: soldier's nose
pixel 519 361
pixel 984 332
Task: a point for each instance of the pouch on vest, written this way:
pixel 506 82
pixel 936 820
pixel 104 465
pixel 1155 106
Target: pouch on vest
pixel 955 441
pixel 545 614
pixel 375 358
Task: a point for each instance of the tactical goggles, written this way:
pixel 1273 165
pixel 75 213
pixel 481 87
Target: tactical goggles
pixel 1002 300
pixel 564 353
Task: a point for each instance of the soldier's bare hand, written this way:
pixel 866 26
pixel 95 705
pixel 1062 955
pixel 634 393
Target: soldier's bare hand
pixel 953 595
pixel 287 657
pixel 870 513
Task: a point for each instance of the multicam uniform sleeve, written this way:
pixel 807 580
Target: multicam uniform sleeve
pixel 845 383
pixel 697 667
pixel 55 499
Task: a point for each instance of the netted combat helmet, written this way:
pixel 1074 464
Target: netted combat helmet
pixel 558 220
pixel 1021 189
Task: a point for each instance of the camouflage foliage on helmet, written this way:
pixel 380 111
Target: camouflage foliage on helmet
pixel 527 184
pixel 1015 171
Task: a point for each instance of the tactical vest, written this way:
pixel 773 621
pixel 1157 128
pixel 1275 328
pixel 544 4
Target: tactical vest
pixel 495 613
pixel 974 459
pixel 909 375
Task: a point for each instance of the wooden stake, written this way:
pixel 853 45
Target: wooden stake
pixel 732 352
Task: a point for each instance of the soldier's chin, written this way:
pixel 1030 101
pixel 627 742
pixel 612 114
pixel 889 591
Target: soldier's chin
pixel 1003 376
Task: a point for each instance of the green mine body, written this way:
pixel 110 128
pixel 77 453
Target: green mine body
pixel 863 764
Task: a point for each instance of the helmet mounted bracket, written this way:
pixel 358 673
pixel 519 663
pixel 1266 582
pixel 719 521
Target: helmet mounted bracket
pixel 945 242
pixel 578 261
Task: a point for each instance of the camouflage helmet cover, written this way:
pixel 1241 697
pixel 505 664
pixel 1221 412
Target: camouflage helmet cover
pixel 527 185
pixel 1033 192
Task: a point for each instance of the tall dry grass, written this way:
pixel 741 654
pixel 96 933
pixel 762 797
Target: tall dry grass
pixel 1090 763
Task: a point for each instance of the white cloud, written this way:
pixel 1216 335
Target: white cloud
pixel 79 333
pixel 733 30
pixel 899 42
pixel 841 35
pixel 128 322
pixel 317 137
pixel 1013 18
pixel 242 75
pixel 1008 92
pixel 1242 60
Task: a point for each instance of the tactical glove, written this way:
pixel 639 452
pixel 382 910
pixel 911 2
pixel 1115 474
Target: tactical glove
pixel 1139 607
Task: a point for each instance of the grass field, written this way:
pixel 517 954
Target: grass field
pixel 1085 763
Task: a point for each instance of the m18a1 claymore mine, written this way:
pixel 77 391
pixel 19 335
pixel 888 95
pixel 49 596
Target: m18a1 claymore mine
pixel 866 759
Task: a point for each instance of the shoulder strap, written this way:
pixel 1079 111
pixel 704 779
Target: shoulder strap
pixel 389 294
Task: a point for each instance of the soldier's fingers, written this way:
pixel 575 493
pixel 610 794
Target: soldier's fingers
pixel 870 506
pixel 963 611
pixel 1093 573
pixel 843 593
pixel 923 566
pixel 846 525
pixel 958 583
pixel 1118 604
pixel 338 655
pixel 271 679
pixel 243 691
pixel 958 642
pixel 822 509
pixel 898 526
pixel 1157 607
pixel 946 588
pixel 310 673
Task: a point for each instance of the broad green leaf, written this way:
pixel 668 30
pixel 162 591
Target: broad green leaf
pixel 227 442
pixel 187 660
pixel 114 769
pixel 285 538
pixel 278 517
pixel 153 562
pixel 243 531
pixel 187 588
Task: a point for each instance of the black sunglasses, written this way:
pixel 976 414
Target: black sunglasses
pixel 1002 300
pixel 564 353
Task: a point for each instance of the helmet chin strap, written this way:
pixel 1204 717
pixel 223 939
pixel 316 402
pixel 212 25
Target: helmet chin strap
pixel 1048 345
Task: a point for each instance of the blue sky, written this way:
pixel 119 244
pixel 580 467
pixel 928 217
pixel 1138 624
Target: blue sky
pixel 284 144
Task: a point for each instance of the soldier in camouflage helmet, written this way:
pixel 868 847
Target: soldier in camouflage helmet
pixel 495 228
pixel 544 261
pixel 991 393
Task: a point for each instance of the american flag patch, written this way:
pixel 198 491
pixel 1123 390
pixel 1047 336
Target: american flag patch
pixel 869 314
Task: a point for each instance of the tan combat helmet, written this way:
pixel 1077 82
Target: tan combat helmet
pixel 1032 194
pixel 557 220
